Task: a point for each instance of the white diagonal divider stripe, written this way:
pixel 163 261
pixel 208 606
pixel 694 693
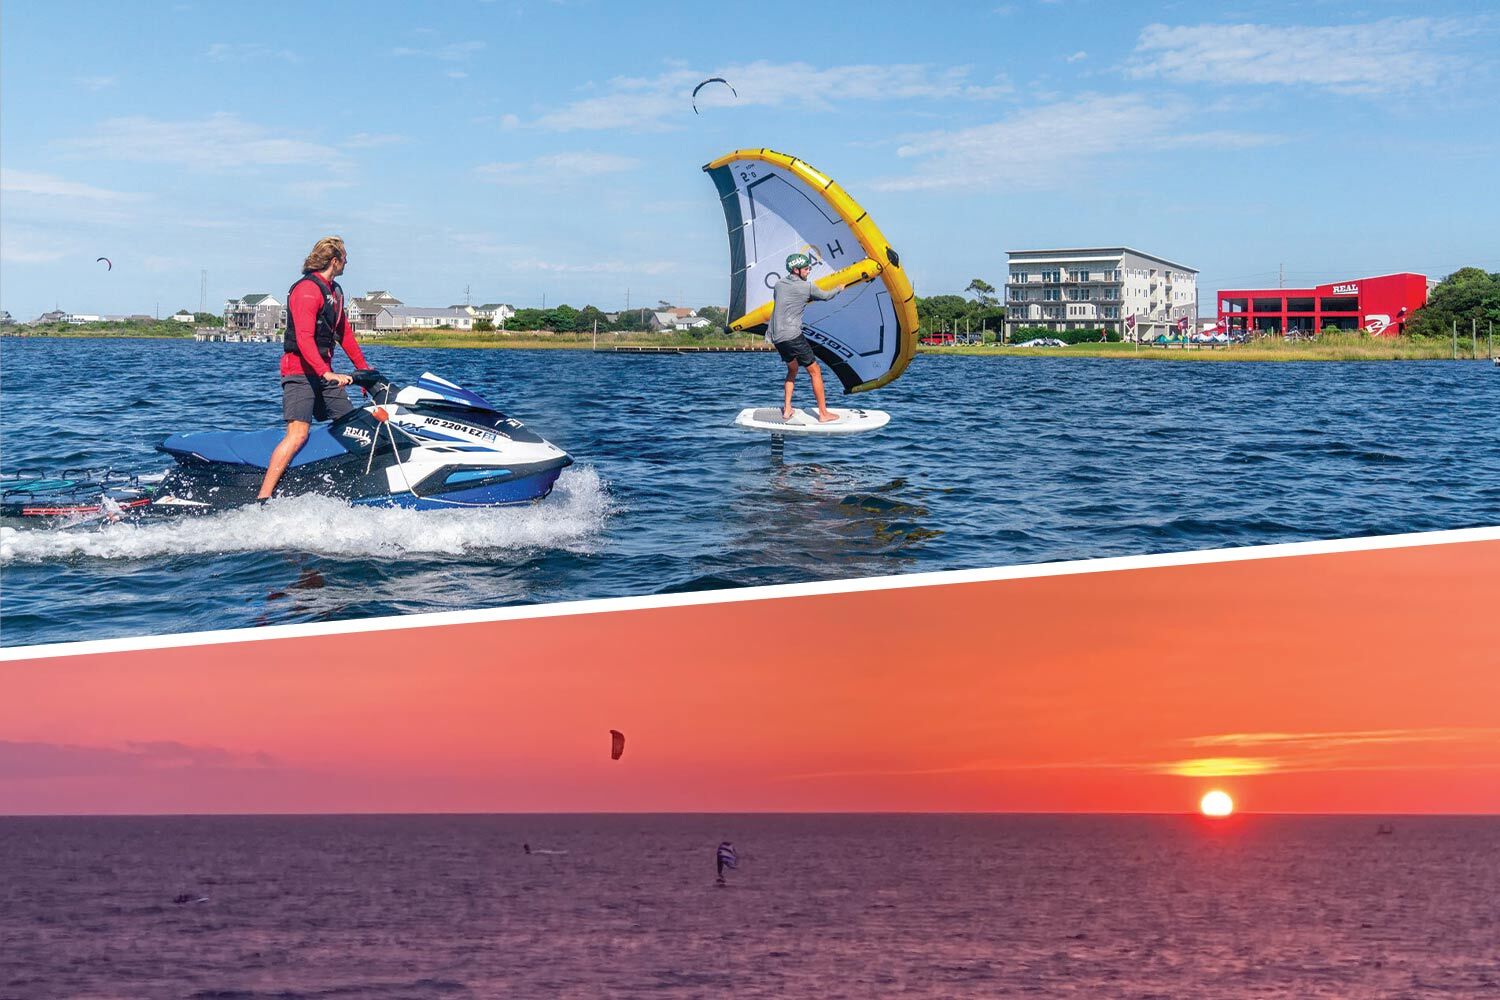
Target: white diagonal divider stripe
pixel 1113 564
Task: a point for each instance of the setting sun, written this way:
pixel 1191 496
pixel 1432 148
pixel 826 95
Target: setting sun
pixel 1216 803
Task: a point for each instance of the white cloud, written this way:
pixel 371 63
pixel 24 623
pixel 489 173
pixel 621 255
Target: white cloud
pixel 221 141
pixel 457 74
pixel 20 245
pixel 315 188
pixel 1336 739
pixel 665 100
pixel 1047 146
pixel 1078 56
pixel 248 52
pixel 1381 56
pixel 98 82
pixel 600 267
pixel 371 140
pixel 46 185
pixel 556 168
pixel 452 52
pixel 157 264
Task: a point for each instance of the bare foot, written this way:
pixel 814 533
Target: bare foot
pixel 786 414
pixel 827 418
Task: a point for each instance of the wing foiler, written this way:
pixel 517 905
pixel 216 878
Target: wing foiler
pixel 775 205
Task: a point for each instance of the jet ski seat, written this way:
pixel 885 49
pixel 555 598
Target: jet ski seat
pixel 252 448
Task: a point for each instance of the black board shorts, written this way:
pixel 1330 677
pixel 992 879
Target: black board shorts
pixel 797 349
pixel 309 403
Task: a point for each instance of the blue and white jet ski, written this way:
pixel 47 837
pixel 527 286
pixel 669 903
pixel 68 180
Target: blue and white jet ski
pixel 429 446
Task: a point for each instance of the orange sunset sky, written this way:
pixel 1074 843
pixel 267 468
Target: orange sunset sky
pixel 1358 682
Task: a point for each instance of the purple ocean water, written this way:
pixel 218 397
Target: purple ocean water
pixel 821 906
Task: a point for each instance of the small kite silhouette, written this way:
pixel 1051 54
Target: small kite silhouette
pixel 705 83
pixel 109 264
pixel 616 744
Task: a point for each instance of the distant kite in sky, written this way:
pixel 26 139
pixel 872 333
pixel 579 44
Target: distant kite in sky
pixel 616 744
pixel 109 264
pixel 705 83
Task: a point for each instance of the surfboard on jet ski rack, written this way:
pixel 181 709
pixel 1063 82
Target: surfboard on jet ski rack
pixel 850 421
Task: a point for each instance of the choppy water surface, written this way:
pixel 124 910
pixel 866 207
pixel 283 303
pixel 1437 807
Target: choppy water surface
pixel 986 462
pixel 822 906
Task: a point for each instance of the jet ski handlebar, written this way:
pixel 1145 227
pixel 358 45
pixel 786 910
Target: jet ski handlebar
pixel 377 385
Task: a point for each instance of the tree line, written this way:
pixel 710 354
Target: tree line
pixel 1469 298
pixel 566 319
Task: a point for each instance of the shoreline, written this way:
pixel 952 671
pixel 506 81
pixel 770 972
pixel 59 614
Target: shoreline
pixel 1339 348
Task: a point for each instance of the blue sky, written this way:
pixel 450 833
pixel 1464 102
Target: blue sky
pixel 527 148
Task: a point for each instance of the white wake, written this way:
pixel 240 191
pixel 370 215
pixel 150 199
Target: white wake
pixel 572 518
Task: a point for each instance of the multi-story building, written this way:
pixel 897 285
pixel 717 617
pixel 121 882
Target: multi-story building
pixel 1380 305
pixel 422 318
pixel 1136 294
pixel 498 313
pixel 258 313
pixel 363 309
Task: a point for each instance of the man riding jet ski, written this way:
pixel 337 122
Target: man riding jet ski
pixel 431 446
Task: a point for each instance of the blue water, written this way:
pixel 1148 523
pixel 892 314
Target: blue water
pixel 986 462
pixel 821 906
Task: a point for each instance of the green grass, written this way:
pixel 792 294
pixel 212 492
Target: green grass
pixel 154 331
pixel 1329 347
pixel 543 340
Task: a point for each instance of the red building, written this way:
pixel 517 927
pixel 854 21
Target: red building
pixel 1379 305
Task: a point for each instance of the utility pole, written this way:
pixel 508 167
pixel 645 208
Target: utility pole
pixel 544 302
pixel 203 290
pixel 1281 276
pixel 466 295
pixel 627 300
pixel 1455 340
pixel 1474 335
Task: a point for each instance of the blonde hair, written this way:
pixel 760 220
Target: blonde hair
pixel 323 253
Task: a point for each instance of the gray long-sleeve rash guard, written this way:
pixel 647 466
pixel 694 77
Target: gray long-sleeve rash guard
pixel 790 297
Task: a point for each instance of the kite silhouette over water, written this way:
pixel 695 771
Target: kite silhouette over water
pixel 616 744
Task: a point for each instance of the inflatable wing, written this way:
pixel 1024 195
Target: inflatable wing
pixel 775 205
pixel 616 744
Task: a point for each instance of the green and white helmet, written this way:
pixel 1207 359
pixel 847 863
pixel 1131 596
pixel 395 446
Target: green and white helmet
pixel 798 260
